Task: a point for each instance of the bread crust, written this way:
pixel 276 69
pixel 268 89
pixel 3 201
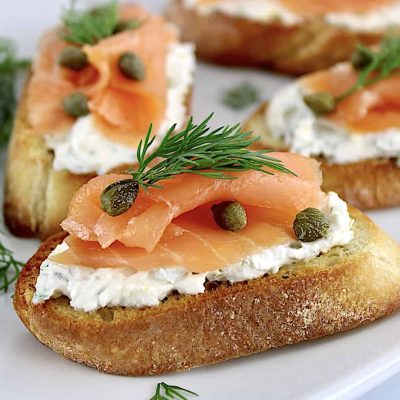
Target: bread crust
pixel 368 185
pixel 299 49
pixel 36 197
pixel 345 288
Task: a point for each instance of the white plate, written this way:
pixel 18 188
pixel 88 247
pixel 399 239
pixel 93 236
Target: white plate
pixel 341 367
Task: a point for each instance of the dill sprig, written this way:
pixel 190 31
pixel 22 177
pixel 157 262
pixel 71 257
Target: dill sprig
pixel 380 65
pixel 198 150
pixel 9 268
pixel 9 68
pixel 241 96
pixel 195 150
pixel 171 392
pixel 90 26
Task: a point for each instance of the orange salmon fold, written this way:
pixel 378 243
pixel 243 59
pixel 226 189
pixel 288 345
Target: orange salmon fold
pixel 280 195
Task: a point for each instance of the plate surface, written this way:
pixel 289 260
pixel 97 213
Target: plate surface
pixel 339 367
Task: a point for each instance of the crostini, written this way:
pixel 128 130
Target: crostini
pixel 291 36
pixel 348 117
pixel 214 253
pixel 97 82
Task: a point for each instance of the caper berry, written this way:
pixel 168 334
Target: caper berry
pixel 361 58
pixel 76 105
pixel 320 103
pixel 73 58
pixel 310 225
pixel 118 197
pixel 126 25
pixel 230 215
pixel 132 66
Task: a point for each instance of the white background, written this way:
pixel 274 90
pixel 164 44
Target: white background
pixel 344 366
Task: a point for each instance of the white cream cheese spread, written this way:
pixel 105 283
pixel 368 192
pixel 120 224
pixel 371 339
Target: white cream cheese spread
pixel 85 150
pixel 256 10
pixel 289 118
pixel 90 289
pixel 376 20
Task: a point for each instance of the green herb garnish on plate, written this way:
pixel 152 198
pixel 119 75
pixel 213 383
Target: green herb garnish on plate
pixel 90 26
pixel 197 149
pixel 169 392
pixel 241 96
pixel 9 68
pixel 9 268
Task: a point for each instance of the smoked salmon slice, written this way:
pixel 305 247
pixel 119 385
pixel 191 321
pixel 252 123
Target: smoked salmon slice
pixel 193 240
pixel 372 109
pixel 279 196
pixel 122 108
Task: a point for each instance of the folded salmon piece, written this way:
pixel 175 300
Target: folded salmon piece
pixel 278 196
pixel 193 240
pixel 374 108
pixel 123 108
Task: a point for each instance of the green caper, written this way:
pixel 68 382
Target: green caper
pixel 73 58
pixel 296 245
pixel 132 66
pixel 310 225
pixel 76 105
pixel 230 215
pixel 126 25
pixel 361 58
pixel 320 103
pixel 118 197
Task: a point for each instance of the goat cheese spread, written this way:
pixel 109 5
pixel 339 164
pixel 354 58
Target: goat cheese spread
pixel 90 289
pixel 84 149
pixel 289 118
pixel 379 19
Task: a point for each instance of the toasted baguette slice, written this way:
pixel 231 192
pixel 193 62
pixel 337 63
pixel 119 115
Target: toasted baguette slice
pixel 37 196
pixel 347 287
pixel 366 185
pixel 298 49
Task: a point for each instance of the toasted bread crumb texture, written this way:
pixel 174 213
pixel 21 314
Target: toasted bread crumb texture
pixel 297 49
pixel 345 288
pixel 367 185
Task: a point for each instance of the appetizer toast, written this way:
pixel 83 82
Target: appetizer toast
pixel 348 118
pixel 340 290
pixel 86 106
pixel 218 258
pixel 293 37
pixel 368 184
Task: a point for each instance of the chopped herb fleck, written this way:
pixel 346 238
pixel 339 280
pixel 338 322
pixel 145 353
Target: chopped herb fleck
pixel 241 96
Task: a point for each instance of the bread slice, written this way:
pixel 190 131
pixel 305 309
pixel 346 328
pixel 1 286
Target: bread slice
pixel 366 185
pixel 36 197
pixel 347 287
pixel 298 49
